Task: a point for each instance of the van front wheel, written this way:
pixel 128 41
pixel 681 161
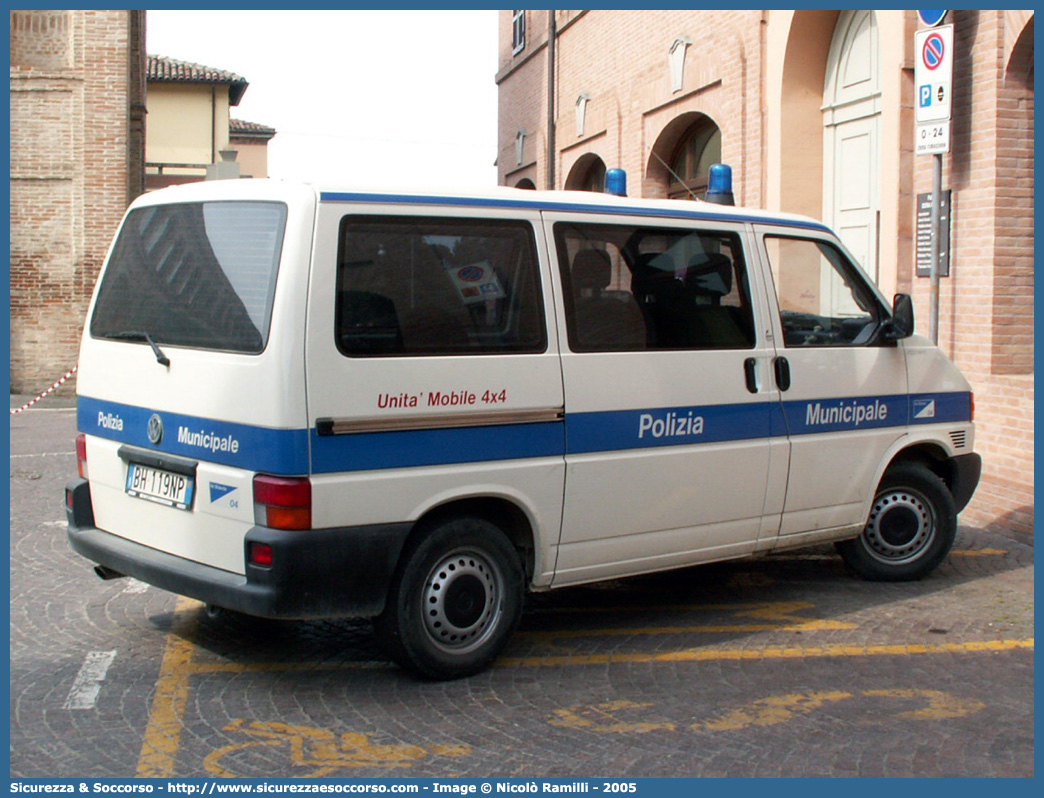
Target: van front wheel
pixel 454 601
pixel 910 529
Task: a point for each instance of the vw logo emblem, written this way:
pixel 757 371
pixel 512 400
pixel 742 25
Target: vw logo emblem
pixel 155 429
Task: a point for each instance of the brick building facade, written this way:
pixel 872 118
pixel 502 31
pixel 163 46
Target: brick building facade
pixel 814 111
pixel 77 158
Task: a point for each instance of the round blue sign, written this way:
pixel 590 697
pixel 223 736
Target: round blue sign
pixel 931 18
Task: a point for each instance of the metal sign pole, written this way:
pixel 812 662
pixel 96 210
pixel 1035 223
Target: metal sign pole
pixel 933 78
pixel 933 308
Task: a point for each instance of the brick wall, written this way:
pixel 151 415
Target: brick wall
pixel 631 105
pixel 77 158
pixel 986 304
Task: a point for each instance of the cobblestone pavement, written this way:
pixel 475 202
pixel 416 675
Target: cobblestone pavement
pixel 783 666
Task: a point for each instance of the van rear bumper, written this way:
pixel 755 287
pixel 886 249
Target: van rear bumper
pixel 319 573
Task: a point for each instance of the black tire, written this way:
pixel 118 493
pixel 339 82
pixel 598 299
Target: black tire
pixel 455 600
pixel 910 529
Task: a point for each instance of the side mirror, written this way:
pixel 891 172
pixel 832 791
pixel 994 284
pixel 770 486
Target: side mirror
pixel 902 321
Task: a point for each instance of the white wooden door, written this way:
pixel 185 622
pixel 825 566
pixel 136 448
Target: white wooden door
pixel 852 123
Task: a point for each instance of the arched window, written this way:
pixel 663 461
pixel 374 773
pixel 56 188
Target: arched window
pixel 526 183
pixel 587 174
pixel 699 147
pixel 594 180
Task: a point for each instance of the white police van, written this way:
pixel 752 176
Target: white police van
pixel 305 403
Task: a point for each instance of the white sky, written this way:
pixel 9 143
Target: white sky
pixel 358 98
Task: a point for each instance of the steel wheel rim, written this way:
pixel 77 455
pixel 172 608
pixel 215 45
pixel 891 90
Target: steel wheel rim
pixel 462 601
pixel 901 527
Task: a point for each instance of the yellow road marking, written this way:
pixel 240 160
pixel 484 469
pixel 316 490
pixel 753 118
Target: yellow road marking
pixel 773 710
pixel 610 717
pixel 978 552
pixel 159 748
pixel 309 747
pixel 777 616
pixel 162 737
pixel 602 718
pixel 941 706
pixel 768 652
pixel 781 708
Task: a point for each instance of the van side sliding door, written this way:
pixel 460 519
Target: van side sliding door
pixel 669 452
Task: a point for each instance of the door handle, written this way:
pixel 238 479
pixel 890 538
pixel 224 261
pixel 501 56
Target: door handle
pixel 750 371
pixel 782 369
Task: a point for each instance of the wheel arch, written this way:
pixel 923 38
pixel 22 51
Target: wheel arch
pixel 504 513
pixel 930 454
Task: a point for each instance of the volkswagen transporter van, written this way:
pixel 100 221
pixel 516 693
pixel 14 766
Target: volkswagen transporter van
pixel 306 403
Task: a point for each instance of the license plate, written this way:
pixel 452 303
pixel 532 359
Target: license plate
pixel 158 485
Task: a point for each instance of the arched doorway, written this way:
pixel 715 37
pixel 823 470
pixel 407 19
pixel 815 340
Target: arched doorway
pixel 690 167
pixel 682 156
pixel 526 183
pixel 851 137
pixel 587 174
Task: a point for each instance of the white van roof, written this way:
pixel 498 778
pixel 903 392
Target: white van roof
pixel 492 197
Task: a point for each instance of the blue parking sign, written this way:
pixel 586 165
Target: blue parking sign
pixel 926 96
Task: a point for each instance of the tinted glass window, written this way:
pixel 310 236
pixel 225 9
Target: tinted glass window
pixel 199 275
pixel 822 300
pixel 437 287
pixel 635 288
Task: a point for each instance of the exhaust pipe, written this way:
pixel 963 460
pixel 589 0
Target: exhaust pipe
pixel 107 573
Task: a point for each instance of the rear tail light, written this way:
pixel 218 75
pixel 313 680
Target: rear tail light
pixel 972 406
pixel 283 502
pixel 81 455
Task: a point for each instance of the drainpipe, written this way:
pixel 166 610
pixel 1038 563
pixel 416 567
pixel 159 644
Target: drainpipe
pixel 550 99
pixel 213 124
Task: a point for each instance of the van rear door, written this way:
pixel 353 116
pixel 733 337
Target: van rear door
pixel 190 375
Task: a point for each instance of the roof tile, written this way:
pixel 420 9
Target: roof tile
pixel 169 70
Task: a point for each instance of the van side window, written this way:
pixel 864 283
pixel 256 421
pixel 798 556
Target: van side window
pixel 630 288
pixel 822 300
pixel 434 286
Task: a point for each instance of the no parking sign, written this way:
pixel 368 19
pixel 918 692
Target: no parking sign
pixel 933 82
pixel 933 72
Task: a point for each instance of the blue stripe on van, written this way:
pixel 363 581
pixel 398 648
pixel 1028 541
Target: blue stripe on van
pixel 285 451
pixel 684 211
pixel 429 447
pixel 273 451
pixel 814 416
pixel 617 430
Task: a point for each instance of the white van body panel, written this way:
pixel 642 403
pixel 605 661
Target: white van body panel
pixel 385 496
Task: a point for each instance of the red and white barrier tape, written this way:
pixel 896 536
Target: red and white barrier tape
pixel 54 387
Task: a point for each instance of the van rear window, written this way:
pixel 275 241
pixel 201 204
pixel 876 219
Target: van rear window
pixel 199 275
pixel 432 286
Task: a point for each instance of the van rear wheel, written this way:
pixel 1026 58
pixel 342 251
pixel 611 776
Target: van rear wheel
pixel 910 529
pixel 454 602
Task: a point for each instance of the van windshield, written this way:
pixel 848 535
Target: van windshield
pixel 199 275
